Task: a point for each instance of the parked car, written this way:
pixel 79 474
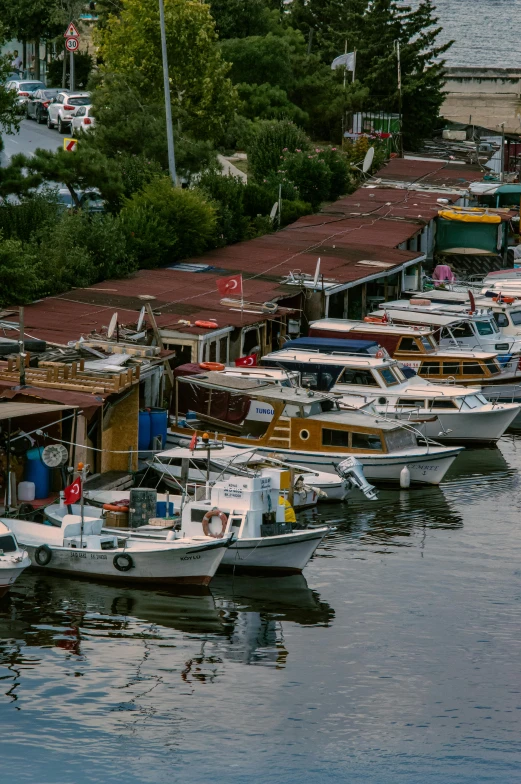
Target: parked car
pixel 24 88
pixel 37 103
pixel 61 108
pixel 90 201
pixel 82 119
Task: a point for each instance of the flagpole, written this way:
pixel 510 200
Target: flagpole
pixel 82 470
pixel 354 64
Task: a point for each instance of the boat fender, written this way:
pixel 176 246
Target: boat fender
pixel 43 555
pixel 123 562
pixel 212 365
pixel 115 508
pixel 405 477
pixel 207 519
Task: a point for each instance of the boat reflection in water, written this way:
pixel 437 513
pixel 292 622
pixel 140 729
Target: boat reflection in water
pixel 240 620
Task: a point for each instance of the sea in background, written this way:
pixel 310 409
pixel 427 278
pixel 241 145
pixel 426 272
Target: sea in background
pixel 485 32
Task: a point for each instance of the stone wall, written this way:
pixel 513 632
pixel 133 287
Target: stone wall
pixel 484 96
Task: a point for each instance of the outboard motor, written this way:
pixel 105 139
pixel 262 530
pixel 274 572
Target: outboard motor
pixel 352 470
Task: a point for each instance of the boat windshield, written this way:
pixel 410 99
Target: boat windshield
pixel 515 317
pixel 472 401
pixel 486 327
pixel 8 544
pixel 399 439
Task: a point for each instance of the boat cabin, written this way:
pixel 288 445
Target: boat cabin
pixel 416 348
pixel 288 420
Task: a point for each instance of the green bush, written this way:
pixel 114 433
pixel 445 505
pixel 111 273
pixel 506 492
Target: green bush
pixel 339 166
pixel 293 210
pixel 258 199
pixel 270 142
pixel 310 174
pixel 21 274
pixel 227 196
pixel 136 171
pixel 20 221
pixel 185 223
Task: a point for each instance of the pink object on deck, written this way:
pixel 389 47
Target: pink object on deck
pixel 443 273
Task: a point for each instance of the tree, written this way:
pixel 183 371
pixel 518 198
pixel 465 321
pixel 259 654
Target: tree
pixel 30 20
pixel 131 121
pixel 203 97
pixel 9 113
pixel 20 272
pixel 269 144
pixel 237 19
pixel 78 170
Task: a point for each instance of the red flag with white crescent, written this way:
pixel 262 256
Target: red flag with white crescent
pixel 249 361
pixel 230 286
pixel 72 493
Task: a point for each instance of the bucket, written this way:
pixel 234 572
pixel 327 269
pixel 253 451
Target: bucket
pixel 158 425
pixel 26 491
pixel 143 442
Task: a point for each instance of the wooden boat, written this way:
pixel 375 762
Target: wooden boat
pixel 13 559
pixel 303 427
pixel 416 348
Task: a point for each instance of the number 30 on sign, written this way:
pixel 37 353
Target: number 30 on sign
pixel 72 44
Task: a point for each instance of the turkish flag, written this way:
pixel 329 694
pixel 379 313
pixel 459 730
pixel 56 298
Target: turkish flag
pixel 231 285
pixel 249 361
pixel 72 493
pixel 193 442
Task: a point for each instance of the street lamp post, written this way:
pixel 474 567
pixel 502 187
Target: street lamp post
pixel 168 109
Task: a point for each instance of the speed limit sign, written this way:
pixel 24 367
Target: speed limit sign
pixel 71 44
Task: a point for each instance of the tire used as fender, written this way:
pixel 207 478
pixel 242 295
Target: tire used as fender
pixel 123 562
pixel 43 555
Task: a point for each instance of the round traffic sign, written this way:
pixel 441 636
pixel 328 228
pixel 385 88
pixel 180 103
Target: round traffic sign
pixel 71 44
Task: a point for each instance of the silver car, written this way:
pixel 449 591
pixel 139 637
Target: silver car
pixel 24 88
pixel 61 109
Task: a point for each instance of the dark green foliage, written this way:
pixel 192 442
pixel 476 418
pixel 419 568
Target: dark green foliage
pixel 293 210
pixel 9 114
pixel 239 19
pixel 136 171
pixel 310 174
pixel 20 272
pixel 183 223
pixel 259 59
pixel 83 63
pixel 227 196
pixel 267 102
pixel 268 144
pixel 19 221
pixel 258 199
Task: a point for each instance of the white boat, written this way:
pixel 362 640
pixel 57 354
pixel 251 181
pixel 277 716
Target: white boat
pixel 13 559
pixel 444 412
pixel 178 465
pixel 250 508
pixel 83 550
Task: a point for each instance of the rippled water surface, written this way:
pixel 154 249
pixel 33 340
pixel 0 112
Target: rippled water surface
pixel 396 660
pixel 486 32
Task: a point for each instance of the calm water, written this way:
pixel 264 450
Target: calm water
pixel 486 32
pixel 397 661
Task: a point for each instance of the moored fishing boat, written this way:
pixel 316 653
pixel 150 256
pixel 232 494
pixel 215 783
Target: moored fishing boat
pixel 80 548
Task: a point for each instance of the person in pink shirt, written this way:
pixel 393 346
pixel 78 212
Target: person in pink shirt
pixel 443 274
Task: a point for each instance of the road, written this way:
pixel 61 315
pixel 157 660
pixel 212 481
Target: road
pixel 30 136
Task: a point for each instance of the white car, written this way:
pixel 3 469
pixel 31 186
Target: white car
pixel 82 119
pixel 61 109
pixel 24 88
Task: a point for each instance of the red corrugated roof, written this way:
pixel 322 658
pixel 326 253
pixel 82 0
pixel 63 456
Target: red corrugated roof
pixel 430 172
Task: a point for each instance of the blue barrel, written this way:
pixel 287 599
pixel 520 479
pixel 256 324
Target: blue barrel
pixel 158 424
pixel 161 509
pixel 143 440
pixel 36 471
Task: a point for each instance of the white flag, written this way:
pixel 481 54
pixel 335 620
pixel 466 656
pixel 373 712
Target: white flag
pixel 348 60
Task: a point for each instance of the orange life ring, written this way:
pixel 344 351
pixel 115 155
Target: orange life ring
pixel 380 354
pixel 212 366
pixel 206 324
pixel 206 523
pixel 115 508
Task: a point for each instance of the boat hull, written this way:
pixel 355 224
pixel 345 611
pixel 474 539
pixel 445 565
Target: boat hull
pixel 474 427
pixel 284 554
pixel 161 565
pixel 426 466
pixel 9 574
